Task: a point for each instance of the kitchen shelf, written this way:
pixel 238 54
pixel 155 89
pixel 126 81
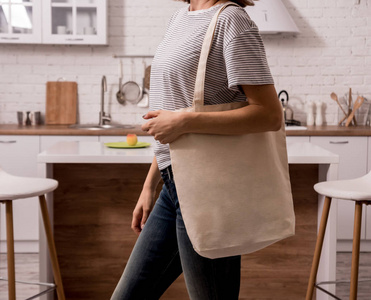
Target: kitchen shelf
pixel 73 22
pixel 20 22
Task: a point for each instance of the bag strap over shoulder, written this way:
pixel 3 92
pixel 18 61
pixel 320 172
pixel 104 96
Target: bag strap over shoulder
pixel 198 98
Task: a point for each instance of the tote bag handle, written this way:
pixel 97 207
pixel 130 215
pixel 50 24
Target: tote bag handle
pixel 198 97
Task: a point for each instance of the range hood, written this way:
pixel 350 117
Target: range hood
pixel 271 16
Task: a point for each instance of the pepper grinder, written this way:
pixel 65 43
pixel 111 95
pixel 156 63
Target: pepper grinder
pixel 28 118
pixel 319 119
pixel 310 115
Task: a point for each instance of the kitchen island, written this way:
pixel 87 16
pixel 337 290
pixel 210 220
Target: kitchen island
pixel 98 188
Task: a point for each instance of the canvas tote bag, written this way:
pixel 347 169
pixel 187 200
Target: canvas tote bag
pixel 234 191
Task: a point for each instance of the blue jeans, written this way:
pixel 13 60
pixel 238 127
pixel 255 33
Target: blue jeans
pixel 163 251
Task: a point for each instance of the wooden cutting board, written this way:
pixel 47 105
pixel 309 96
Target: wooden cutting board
pixel 61 102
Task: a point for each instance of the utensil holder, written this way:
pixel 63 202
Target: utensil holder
pixel 360 115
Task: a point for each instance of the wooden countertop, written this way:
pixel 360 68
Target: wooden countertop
pixel 13 129
pixel 331 130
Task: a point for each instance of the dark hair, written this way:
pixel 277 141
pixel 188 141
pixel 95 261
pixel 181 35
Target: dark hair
pixel 242 3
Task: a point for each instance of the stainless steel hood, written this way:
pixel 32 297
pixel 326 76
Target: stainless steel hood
pixel 271 16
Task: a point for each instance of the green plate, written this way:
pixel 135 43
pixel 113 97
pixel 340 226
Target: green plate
pixel 124 145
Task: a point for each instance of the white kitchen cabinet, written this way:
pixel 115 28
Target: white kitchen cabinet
pixel 353 163
pixel 49 140
pixel 20 21
pixel 297 139
pixel 18 156
pixel 75 22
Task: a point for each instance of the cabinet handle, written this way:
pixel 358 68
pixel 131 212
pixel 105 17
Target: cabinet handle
pixel 8 142
pixel 340 142
pixel 78 39
pixel 10 38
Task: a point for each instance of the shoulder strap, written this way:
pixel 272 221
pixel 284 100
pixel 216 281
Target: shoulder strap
pixel 198 98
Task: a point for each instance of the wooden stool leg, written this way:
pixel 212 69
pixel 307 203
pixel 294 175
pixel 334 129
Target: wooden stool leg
pixel 318 249
pixel 355 251
pixel 10 249
pixel 52 250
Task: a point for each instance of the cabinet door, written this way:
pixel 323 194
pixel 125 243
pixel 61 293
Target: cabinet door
pixel 49 140
pixel 297 139
pixel 353 163
pixel 368 209
pixel 20 21
pixel 75 22
pixel 18 156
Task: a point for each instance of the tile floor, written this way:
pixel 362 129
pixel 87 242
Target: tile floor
pixel 27 269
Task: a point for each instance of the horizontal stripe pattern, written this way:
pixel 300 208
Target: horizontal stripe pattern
pixel 237 57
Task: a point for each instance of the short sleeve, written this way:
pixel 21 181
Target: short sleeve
pixel 246 61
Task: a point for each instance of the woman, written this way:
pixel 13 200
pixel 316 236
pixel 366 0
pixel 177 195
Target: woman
pixel 236 70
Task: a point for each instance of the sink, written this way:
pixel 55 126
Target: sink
pixel 100 127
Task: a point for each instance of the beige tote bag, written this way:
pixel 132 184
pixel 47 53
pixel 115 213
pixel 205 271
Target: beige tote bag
pixel 234 191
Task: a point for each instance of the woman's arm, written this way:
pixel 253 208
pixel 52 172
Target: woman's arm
pixel 146 199
pixel 264 113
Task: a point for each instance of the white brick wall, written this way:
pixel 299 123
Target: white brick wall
pixel 332 53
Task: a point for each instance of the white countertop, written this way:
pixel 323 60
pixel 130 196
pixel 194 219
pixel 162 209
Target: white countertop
pixel 97 152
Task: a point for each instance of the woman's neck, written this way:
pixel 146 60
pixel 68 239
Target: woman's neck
pixel 203 4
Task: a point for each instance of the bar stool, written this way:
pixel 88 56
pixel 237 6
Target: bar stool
pixel 14 188
pixel 359 191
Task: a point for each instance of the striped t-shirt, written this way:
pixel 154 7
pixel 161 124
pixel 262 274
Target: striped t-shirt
pixel 237 57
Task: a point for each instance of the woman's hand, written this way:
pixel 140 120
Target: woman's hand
pixel 166 126
pixel 142 209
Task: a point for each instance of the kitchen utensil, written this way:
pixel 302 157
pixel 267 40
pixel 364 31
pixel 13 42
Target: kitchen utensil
pixel 131 90
pixel 350 98
pixel 368 118
pixel 336 99
pixel 124 145
pixel 119 95
pixel 343 119
pixel 287 111
pixel 144 102
pixel 357 104
pixel 61 103
pixel 28 118
pixel 21 117
pixel 285 104
pixel 350 106
pixel 36 118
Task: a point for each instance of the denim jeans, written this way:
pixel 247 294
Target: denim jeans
pixel 163 251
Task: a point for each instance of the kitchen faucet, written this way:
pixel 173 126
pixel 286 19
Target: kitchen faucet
pixel 103 117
